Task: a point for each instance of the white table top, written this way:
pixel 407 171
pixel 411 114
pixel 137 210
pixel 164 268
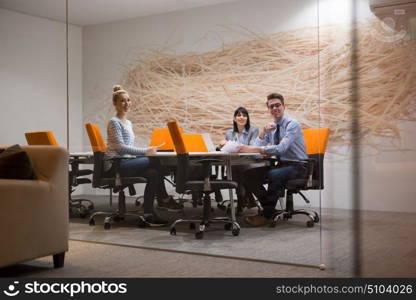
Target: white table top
pixel 84 154
pixel 172 154
pixel 214 153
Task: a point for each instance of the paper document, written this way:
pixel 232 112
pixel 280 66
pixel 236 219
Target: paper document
pixel 230 147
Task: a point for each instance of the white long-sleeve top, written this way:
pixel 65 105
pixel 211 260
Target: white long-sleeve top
pixel 120 141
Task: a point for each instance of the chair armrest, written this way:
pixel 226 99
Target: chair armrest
pixel 120 157
pixel 118 182
pixel 206 165
pixel 310 168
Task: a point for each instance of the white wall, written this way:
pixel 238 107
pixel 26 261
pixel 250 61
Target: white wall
pixel 33 79
pixel 109 48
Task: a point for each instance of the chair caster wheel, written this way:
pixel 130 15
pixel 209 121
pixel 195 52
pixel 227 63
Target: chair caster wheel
pixel 141 223
pixel 107 226
pixel 137 202
pixel 221 206
pixel 228 226
pixel 316 219
pixel 235 231
pixel 199 235
pixel 192 226
pixel 91 222
pixel 117 218
pixel 83 211
pixel 273 224
pixel 173 231
pixel 310 223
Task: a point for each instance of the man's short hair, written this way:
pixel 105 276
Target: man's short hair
pixel 275 96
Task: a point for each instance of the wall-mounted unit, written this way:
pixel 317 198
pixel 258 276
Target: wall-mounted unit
pixel 403 12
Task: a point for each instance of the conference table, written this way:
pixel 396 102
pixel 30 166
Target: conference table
pixel 168 159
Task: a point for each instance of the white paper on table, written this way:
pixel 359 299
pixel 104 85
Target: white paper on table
pixel 230 147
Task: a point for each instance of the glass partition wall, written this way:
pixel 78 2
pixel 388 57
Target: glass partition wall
pixel 199 65
pixel 386 72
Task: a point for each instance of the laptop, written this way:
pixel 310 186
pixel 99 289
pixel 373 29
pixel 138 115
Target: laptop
pixel 193 142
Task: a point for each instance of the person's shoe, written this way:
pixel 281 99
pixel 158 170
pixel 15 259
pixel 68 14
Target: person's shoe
pixel 154 221
pixel 170 205
pixel 252 203
pixel 239 211
pixel 257 221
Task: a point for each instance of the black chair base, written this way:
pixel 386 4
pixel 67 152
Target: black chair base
pixel 206 221
pixel 118 215
pixel 82 210
pixel 225 205
pixel 289 212
pixel 313 216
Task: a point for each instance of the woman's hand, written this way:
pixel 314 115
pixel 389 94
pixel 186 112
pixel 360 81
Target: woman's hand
pixel 222 143
pixel 151 150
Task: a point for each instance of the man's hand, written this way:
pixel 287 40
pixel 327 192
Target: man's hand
pixel 267 128
pixel 248 149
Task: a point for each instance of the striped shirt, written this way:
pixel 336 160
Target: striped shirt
pixel 120 141
pixel 292 143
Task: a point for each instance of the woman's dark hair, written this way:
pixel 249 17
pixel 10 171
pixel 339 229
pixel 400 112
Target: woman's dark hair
pixel 241 110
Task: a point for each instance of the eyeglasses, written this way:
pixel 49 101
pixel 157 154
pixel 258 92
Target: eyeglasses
pixel 277 105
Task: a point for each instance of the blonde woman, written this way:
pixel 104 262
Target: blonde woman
pixel 121 142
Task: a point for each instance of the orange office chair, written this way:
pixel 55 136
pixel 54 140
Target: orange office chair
pixel 41 138
pixel 116 183
pixel 206 186
pixel 75 174
pixel 161 136
pixel 316 141
pixel 193 143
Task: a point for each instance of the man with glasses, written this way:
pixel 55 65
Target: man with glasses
pixel 283 139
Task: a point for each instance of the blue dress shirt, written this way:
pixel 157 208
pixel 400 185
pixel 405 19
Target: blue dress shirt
pixel 292 143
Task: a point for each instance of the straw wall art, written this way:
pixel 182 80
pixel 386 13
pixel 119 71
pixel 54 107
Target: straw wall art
pixel 202 90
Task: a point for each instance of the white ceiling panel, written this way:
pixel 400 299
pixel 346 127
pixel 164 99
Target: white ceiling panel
pixel 91 12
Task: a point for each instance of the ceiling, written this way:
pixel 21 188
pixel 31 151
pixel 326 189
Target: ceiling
pixel 91 12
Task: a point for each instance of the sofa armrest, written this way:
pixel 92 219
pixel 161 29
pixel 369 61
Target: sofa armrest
pixel 49 162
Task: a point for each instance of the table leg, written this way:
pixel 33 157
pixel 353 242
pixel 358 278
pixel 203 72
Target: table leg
pixel 230 177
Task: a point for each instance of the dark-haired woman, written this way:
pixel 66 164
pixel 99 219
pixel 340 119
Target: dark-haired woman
pixel 242 133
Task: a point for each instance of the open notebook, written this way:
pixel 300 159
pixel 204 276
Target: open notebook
pixel 193 142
